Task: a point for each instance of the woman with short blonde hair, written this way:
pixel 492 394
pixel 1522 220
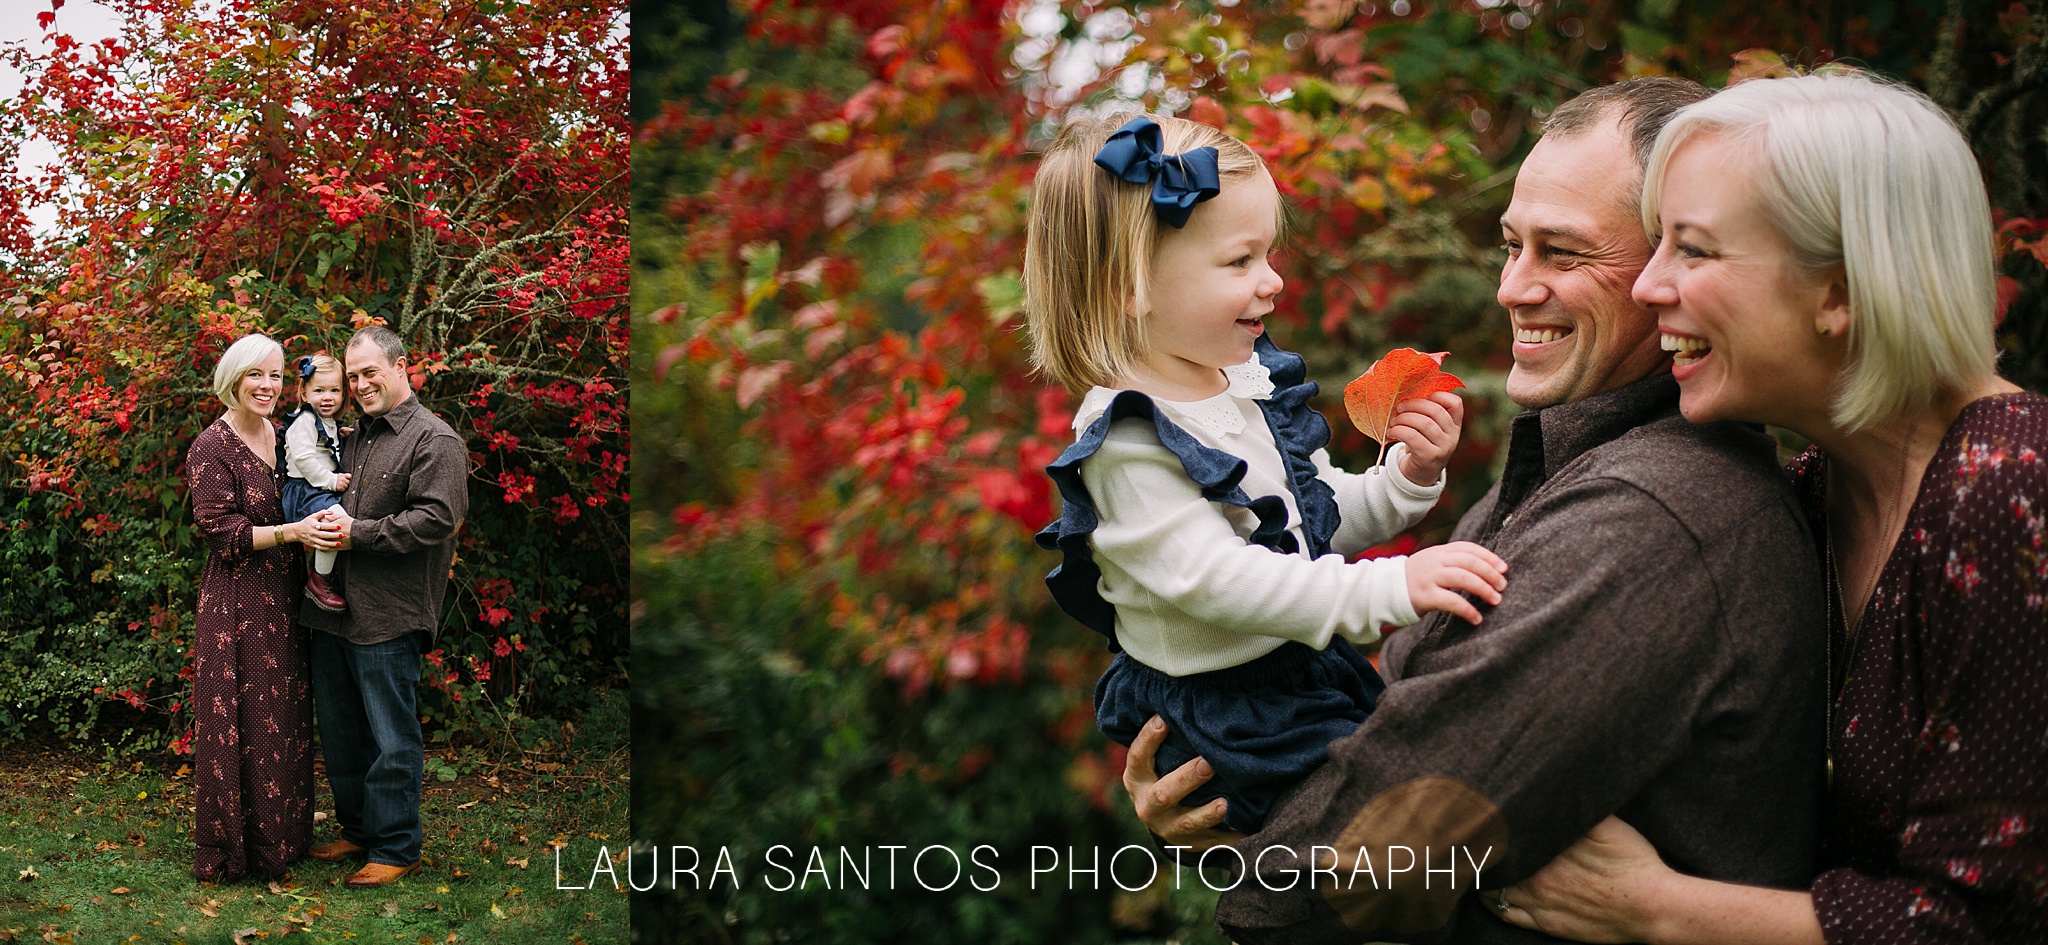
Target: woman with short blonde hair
pixel 252 759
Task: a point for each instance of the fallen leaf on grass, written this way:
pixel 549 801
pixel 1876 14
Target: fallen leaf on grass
pixel 122 890
pixel 497 913
pixel 210 908
pixel 459 872
pixel 558 843
pixel 465 806
pixel 319 815
pixel 1404 374
pixel 275 889
pixel 29 874
pixel 391 910
pixel 517 861
pixel 246 936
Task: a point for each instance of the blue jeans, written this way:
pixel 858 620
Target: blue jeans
pixel 370 736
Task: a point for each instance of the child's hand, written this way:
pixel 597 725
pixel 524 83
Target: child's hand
pixel 1430 430
pixel 1437 574
pixel 348 431
pixel 340 482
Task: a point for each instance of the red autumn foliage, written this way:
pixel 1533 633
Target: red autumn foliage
pixel 455 170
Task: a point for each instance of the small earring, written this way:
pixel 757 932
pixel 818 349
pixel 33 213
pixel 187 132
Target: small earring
pixel 1823 329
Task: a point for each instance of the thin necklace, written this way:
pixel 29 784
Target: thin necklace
pixel 1837 593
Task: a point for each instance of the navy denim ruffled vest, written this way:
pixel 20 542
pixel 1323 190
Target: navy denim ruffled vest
pixel 1298 431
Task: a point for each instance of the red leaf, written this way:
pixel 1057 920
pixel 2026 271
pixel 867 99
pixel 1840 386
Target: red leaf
pixel 1404 374
pixel 2008 290
pixel 1208 112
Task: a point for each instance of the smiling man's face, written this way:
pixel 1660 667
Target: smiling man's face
pixel 1574 250
pixel 379 384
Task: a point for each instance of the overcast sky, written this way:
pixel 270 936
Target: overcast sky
pixel 87 22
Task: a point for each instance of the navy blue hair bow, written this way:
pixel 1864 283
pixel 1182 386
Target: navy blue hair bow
pixel 305 367
pixel 1179 181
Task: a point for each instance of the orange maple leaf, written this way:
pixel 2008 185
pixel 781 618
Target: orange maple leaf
pixel 1404 374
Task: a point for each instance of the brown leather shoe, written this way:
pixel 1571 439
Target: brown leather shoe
pixel 377 874
pixel 334 852
pixel 324 596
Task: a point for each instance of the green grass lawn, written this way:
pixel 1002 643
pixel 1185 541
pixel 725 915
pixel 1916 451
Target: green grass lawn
pixel 92 853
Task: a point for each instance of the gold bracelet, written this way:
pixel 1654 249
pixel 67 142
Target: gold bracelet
pixel 277 534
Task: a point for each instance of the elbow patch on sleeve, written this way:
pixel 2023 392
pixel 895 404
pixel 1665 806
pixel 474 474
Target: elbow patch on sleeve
pixel 1403 862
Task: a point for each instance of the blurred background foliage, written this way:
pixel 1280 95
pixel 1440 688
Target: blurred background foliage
pixel 840 632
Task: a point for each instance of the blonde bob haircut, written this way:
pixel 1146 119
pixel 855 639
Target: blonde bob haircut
pixel 1861 173
pixel 240 358
pixel 1088 249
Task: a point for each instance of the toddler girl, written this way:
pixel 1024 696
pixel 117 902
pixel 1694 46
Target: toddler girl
pixel 1204 529
pixel 312 445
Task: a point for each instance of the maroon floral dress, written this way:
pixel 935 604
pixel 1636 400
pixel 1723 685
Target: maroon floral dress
pixel 1937 820
pixel 252 754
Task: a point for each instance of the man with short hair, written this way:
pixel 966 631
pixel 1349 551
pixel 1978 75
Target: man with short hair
pixel 1658 652
pixel 406 497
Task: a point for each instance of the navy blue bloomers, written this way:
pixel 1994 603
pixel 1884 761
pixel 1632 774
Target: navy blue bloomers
pixel 302 498
pixel 1263 725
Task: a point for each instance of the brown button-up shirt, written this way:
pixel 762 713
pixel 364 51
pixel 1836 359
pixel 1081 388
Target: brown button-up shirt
pixel 408 492
pixel 1657 655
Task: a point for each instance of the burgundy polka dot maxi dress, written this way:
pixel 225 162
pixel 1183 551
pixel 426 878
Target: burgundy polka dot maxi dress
pixel 1937 821
pixel 252 755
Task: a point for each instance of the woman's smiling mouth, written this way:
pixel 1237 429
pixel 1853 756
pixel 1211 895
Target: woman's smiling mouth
pixel 1684 349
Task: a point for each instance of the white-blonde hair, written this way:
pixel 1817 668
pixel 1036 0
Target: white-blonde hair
pixel 246 353
pixel 1862 173
pixel 1088 249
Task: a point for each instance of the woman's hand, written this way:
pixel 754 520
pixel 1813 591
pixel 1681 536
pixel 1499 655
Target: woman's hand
pixel 1600 889
pixel 317 531
pixel 1157 800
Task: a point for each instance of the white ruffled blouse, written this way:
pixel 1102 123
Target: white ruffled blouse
pixel 1191 593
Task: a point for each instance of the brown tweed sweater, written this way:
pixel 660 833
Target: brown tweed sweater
pixel 1658 655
